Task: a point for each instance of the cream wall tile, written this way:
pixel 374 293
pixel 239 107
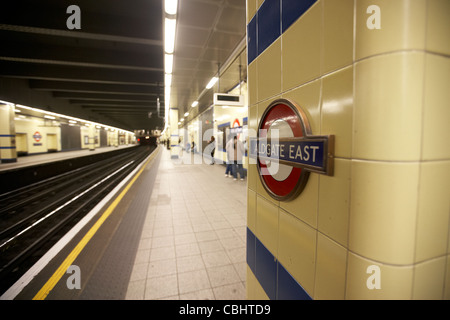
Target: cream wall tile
pixel 267 224
pixel 263 193
pixel 252 176
pixel 252 78
pixel 436 114
pixel 334 202
pixel 251 210
pixel 269 71
pixel 433 213
pixel 252 170
pixel 304 207
pixel 383 210
pixel 259 3
pixel 388 107
pixel 330 269
pixel 253 120
pixel 308 98
pixel 251 9
pixel 338 34
pixel 337 110
pixel 429 277
pixel 301 49
pixel 254 289
pixel 396 282
pixel 447 280
pixel 438 26
pixel 297 250
pixel 403 24
pixel 252 123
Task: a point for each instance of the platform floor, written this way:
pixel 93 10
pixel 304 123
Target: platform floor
pixel 55 156
pixel 178 233
pixel 193 242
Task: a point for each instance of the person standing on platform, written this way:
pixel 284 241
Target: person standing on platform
pixel 212 145
pixel 238 153
pixel 230 159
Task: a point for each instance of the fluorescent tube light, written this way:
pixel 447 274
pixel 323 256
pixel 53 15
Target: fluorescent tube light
pixel 170 6
pixel 167 99
pixel 167 80
pixel 186 114
pixel 212 82
pixel 169 34
pixel 194 104
pixel 168 63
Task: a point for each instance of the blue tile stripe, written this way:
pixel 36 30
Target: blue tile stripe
pixel 291 10
pixel 271 20
pixel 220 126
pixel 268 24
pixel 252 40
pixel 271 274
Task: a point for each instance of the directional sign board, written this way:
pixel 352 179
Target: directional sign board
pixel 286 151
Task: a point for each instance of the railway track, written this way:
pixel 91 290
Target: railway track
pixel 35 217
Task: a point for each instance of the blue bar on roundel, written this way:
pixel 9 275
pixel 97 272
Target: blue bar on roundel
pixel 303 152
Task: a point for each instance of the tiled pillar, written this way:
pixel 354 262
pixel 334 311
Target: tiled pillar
pixel 399 210
pixel 92 131
pixel 383 94
pixel 8 151
pixel 174 136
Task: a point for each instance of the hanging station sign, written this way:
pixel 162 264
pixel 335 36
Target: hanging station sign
pixel 286 151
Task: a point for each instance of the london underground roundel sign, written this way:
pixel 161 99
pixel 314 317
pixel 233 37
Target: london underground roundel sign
pixel 286 152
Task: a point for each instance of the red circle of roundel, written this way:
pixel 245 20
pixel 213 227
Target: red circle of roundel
pixel 282 190
pixel 37 136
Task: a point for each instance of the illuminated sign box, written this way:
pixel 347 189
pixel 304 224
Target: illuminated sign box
pixel 225 99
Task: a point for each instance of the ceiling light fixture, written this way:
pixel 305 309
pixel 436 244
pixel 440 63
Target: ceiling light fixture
pixel 169 34
pixel 170 23
pixel 170 6
pixel 167 79
pixel 168 63
pixel 212 82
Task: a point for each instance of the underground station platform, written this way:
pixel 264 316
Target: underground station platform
pixel 172 230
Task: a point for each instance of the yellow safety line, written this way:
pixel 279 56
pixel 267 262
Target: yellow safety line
pixel 51 283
